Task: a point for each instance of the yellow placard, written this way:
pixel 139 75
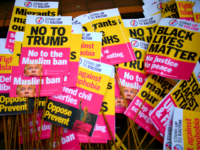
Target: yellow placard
pixel 186 94
pixel 108 104
pixel 176 43
pixel 91 49
pixel 185 9
pixel 18 19
pixel 161 88
pixel 138 64
pixel 169 9
pixel 113 31
pixel 92 81
pixel 75 47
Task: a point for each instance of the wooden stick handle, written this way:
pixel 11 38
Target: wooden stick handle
pixel 108 128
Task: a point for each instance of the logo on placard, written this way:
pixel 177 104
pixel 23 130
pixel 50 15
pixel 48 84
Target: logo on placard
pixel 168 146
pixel 173 22
pixel 28 4
pixel 135 43
pixel 159 6
pixel 134 23
pixel 178 147
pixel 39 20
pixel 80 61
pixel 11 50
pixel 198 76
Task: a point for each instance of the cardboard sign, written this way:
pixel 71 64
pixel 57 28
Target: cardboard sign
pixel 185 130
pixel 85 22
pixel 196 12
pixel 184 95
pixel 46 46
pixel 23 8
pixel 78 103
pixel 160 90
pixel 143 28
pixel 167 145
pixel 131 74
pixel 185 10
pixel 70 80
pixel 91 45
pixel 28 86
pixel 169 9
pixel 69 140
pixel 173 48
pixel 115 43
pixel 100 129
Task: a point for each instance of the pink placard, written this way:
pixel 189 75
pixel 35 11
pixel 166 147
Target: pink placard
pixel 161 114
pixel 100 129
pixel 131 79
pixel 142 118
pixel 69 140
pixel 44 61
pixel 29 86
pixel 81 127
pixel 119 53
pixel 152 65
pixel 70 80
pixel 10 40
pixel 5 80
pixel 46 129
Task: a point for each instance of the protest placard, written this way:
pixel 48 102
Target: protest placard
pixel 91 45
pixel 71 78
pixel 115 43
pixel 29 86
pixel 69 140
pixel 143 28
pixel 162 87
pixel 167 144
pixel 184 95
pixel 46 45
pixel 169 9
pixel 185 130
pixel 75 107
pixel 196 11
pixel 172 48
pixel 21 10
pixel 108 107
pixel 185 10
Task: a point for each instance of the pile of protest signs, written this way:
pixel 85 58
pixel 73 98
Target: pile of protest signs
pixel 64 79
